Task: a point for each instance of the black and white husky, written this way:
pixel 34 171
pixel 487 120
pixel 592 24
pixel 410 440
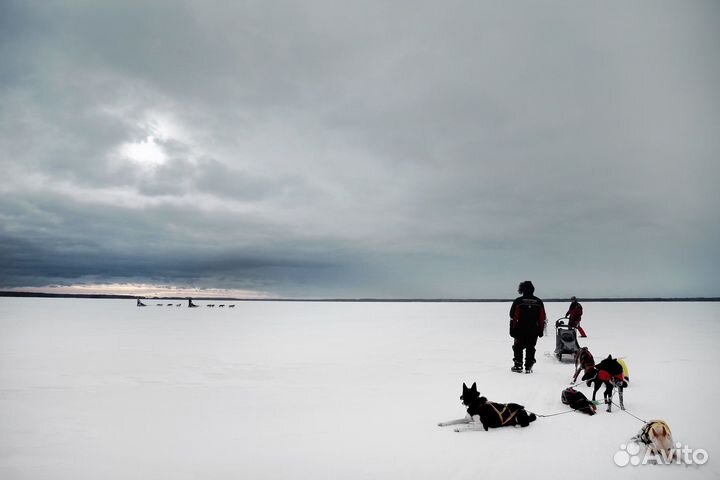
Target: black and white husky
pixel 484 414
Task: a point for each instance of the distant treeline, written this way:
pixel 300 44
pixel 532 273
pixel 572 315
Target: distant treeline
pixel 426 300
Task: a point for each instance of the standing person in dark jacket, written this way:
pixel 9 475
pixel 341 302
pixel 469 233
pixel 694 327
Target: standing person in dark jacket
pixel 574 314
pixel 527 321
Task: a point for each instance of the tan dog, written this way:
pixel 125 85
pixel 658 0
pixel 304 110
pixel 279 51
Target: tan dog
pixel 657 436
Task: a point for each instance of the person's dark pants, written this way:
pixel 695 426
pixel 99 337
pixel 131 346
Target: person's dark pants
pixel 527 344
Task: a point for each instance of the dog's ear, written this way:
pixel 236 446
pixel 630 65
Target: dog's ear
pixel 474 387
pixel 464 387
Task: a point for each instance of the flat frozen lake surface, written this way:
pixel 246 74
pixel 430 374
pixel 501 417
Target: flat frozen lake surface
pixel 101 389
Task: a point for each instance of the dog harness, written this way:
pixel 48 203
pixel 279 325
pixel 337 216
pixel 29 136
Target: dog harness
pixel 644 436
pixel 606 377
pixel 501 412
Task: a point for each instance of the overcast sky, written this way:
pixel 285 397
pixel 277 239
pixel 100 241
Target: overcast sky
pixel 362 149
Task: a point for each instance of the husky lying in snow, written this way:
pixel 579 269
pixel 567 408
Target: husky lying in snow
pixel 657 436
pixel 577 400
pixel 584 361
pixel 488 414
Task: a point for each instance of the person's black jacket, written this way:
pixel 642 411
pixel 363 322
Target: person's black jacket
pixel 527 317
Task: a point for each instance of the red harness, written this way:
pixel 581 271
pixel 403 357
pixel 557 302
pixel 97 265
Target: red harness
pixel 606 377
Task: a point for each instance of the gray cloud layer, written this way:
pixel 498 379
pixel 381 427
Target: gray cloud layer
pixel 370 149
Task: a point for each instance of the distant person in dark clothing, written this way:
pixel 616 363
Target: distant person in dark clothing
pixel 574 314
pixel 527 321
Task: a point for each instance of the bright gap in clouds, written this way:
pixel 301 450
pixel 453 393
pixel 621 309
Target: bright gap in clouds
pixel 146 152
pixel 159 127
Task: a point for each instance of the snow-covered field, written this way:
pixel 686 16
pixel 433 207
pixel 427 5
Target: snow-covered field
pixel 101 389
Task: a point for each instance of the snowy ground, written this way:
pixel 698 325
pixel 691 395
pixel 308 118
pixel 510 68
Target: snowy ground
pixel 101 389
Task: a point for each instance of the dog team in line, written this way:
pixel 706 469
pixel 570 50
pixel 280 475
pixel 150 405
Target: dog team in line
pixel 190 304
pixel 527 324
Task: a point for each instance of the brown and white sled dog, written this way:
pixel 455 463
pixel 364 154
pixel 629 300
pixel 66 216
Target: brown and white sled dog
pixel 584 361
pixel 484 414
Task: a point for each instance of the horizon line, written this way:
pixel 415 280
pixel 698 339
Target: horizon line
pixel 351 299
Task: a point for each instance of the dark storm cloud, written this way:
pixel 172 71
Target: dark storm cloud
pixel 48 239
pixel 39 265
pixel 369 149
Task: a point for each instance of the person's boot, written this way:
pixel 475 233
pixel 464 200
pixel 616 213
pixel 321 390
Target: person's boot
pixel 528 366
pixel 517 357
pixel 529 359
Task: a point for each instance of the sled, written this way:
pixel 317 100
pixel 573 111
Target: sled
pixel 566 342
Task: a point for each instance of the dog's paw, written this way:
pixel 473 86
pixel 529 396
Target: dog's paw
pixel 457 430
